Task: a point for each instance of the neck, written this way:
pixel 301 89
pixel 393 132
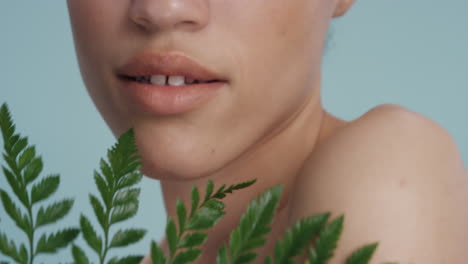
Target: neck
pixel 277 159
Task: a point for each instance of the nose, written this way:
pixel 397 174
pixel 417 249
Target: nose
pixel 166 15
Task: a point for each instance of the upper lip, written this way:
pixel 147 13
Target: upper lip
pixel 171 64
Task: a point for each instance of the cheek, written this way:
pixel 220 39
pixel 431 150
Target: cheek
pixel 278 45
pixel 268 24
pixel 95 27
pixel 88 20
pixel 91 24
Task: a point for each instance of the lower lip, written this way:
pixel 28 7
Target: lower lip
pixel 169 100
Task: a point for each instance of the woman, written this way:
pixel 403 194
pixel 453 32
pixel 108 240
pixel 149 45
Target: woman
pixel 230 91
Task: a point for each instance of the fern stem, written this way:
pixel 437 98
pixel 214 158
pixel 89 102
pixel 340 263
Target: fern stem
pixel 106 239
pixel 108 224
pixel 31 220
pixel 171 255
pixel 31 236
pixel 103 257
pixel 30 215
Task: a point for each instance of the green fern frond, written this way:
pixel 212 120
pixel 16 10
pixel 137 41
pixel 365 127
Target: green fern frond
pixel 116 183
pixel 362 255
pixel 185 238
pixel 298 238
pixel 9 249
pixel 250 234
pixel 327 242
pixel 23 168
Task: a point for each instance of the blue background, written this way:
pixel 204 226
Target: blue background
pixel 413 53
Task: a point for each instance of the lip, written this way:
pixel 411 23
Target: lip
pixel 170 64
pixel 168 100
pixel 165 99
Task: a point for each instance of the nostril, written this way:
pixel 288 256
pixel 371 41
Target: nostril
pixel 141 19
pixel 165 15
pixel 142 25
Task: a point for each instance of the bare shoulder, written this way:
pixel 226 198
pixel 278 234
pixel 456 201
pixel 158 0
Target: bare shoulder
pixel 399 179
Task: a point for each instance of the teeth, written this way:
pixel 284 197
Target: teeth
pixel 176 80
pixel 167 80
pixel 158 79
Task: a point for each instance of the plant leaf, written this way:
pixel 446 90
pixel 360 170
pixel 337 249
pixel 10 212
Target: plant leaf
pixel 157 254
pixel 103 189
pixel 6 123
pixel 24 254
pixel 124 212
pixel 20 219
pixel 52 243
pixel 33 169
pixel 79 257
pixel 204 218
pixel 12 139
pixel 19 146
pixel 362 255
pixel 133 164
pixel 246 258
pixel 209 190
pixel 254 225
pixel 8 248
pixel 90 235
pixel 192 240
pixel 187 256
pixel 129 180
pixel 53 213
pixel 195 196
pixel 26 157
pixel 222 255
pixel 313 257
pixel 254 243
pixel 127 237
pixel 127 196
pixel 221 193
pixel 297 238
pixel 98 210
pixel 45 188
pixel 107 172
pixel 24 168
pixel 235 241
pixel 119 201
pixel 122 155
pixel 14 183
pixel 215 205
pixel 240 186
pixel 327 241
pixel 11 162
pixel 126 260
pixel 181 215
pixel 171 235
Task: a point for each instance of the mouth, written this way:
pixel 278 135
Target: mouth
pixel 169 83
pixel 167 80
pixel 171 69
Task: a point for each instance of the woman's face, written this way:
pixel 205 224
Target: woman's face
pixel 268 52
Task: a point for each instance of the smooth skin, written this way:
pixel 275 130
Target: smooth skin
pixel 397 176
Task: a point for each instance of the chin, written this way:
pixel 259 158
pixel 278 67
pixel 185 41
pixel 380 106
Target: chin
pixel 177 169
pixel 177 158
pixel 172 174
